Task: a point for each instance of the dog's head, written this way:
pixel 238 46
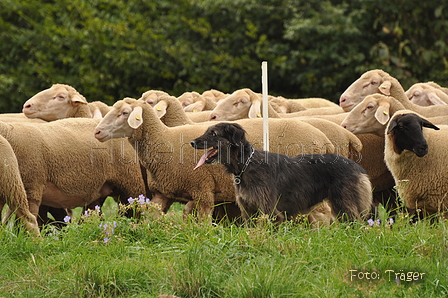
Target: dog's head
pixel 223 138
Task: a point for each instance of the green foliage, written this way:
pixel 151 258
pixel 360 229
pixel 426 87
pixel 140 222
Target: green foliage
pixel 112 49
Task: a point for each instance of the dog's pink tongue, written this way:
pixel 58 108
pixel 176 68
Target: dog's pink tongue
pixel 201 160
pixel 204 157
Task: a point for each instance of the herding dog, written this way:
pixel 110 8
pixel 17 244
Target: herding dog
pixel 284 186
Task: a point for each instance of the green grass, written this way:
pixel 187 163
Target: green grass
pixel 170 255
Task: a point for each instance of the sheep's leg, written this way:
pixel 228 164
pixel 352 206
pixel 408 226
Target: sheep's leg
pixel 164 202
pixel 29 221
pixel 34 196
pixel 205 202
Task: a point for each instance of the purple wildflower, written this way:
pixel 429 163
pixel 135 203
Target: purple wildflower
pixel 370 222
pixel 67 219
pixel 131 200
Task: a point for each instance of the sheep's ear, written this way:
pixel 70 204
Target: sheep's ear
pixel 195 107
pixel 78 99
pixel 392 124
pixel 97 114
pixel 382 113
pixel 160 108
pixel 434 99
pixel 135 118
pixel 427 124
pixel 255 107
pixel 385 87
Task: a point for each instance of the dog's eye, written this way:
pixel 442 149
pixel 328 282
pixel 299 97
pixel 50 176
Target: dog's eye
pixel 214 134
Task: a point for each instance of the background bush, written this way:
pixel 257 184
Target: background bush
pixel 109 49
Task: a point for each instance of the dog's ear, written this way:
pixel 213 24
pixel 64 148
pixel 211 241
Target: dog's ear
pixel 236 133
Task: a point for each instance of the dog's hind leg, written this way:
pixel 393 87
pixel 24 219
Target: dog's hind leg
pixel 353 199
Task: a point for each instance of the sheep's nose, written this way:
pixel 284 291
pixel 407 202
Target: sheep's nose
pixel 212 117
pixel 97 132
pixel 27 105
pixel 342 99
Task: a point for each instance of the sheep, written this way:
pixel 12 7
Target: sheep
pixel 19 117
pixel 166 153
pixel 214 94
pixel 151 96
pixel 98 109
pixel 346 143
pixel 245 103
pixel 415 151
pixel 427 94
pixel 57 102
pixel 284 105
pixel 373 113
pixel 195 102
pixel 63 166
pixel 12 191
pixel 379 81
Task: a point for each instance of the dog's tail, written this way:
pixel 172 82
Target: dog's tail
pixel 355 199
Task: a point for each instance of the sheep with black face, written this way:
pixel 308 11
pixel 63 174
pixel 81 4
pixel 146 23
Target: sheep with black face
pixel 416 156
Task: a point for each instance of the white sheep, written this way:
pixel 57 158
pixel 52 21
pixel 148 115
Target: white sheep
pixel 214 95
pixel 427 94
pixel 285 105
pixel 374 112
pixel 57 102
pixel 245 103
pixel 63 166
pixel 195 102
pixel 166 153
pixel 415 153
pixel 98 109
pixel 379 81
pixel 12 191
pixel 151 96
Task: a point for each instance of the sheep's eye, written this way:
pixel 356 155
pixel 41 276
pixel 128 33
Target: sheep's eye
pixel 374 82
pixel 369 107
pixel 125 113
pixel 416 93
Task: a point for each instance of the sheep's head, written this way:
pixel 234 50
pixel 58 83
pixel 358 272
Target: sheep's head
pixel 121 121
pixel 243 103
pixel 426 94
pixel 192 101
pixel 405 132
pixel 152 97
pixel 56 102
pixel 369 116
pixel 369 83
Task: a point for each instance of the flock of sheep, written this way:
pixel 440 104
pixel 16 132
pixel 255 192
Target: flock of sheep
pixel 64 152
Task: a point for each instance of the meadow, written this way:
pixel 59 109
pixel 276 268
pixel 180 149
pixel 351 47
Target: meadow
pixel 107 255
